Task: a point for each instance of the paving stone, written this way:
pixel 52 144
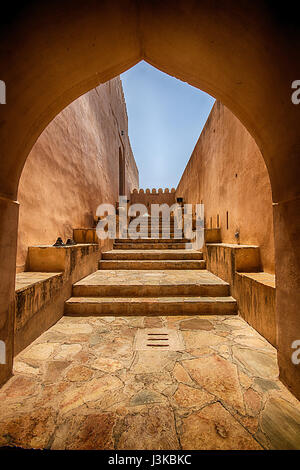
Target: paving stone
pixel 92 432
pixel 199 352
pixel 252 402
pixel 223 350
pixel 73 328
pixel 199 339
pixel 23 368
pixel 39 352
pixel 257 363
pixel 245 380
pixel 281 423
pixel 54 370
pixel 97 387
pixel 153 361
pixel 181 375
pixel 71 400
pixel 187 397
pixel 146 396
pixel 67 351
pixel 153 322
pixel 107 364
pixel 265 385
pixel 213 428
pixel 20 386
pixel 151 429
pixel 196 324
pixel 117 348
pixel 250 423
pixel 256 343
pixel 79 374
pixel 219 377
pixel 29 430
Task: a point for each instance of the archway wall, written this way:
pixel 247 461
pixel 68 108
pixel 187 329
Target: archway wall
pixel 235 51
pixel 242 53
pixel 73 167
pixel 227 173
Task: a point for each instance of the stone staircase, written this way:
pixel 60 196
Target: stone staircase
pixel 151 276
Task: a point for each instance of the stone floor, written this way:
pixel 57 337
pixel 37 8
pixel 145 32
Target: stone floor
pixel 82 385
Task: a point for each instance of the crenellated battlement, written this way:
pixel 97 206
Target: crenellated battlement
pixel 153 196
pixel 153 191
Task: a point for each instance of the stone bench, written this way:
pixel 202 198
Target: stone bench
pixel 34 291
pixel 256 299
pixel 254 290
pixel 225 259
pixel 47 258
pixel 42 290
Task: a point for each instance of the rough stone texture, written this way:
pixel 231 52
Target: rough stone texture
pixel 40 296
pixel 196 324
pixel 108 396
pixel 187 397
pixel 213 428
pixel 258 363
pixel 73 167
pixel 281 424
pixel 217 376
pixel 151 430
pixel 221 172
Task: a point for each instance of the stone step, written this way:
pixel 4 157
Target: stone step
pixel 159 283
pixel 152 240
pixel 151 246
pixel 152 255
pixel 93 306
pixel 151 264
pixel 160 234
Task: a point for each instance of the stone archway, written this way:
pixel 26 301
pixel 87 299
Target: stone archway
pixel 238 52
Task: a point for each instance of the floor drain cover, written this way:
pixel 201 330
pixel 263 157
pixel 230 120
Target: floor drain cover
pixel 160 339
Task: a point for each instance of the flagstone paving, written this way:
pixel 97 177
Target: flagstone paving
pixel 82 385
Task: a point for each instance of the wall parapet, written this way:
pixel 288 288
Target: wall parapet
pixel 153 196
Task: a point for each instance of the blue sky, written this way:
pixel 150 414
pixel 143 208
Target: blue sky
pixel 165 118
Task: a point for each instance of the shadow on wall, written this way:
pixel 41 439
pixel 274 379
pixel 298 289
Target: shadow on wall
pixel 73 167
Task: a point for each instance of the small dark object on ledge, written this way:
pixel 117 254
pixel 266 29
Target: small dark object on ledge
pixel 59 242
pixel 70 242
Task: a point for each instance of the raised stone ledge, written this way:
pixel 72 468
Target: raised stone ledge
pixel 254 290
pixel 256 299
pixel 42 291
pixel 47 258
pixel 34 291
pixel 225 259
pixel 26 280
pixel 267 279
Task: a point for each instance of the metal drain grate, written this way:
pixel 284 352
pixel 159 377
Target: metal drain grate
pixel 158 339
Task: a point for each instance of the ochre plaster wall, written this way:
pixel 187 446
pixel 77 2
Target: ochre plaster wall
pixel 227 172
pixel 73 167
